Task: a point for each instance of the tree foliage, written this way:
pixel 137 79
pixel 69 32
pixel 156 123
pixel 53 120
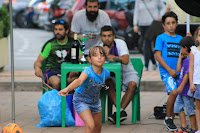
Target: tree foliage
pixel 4 22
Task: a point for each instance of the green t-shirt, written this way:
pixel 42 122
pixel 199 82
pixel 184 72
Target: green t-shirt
pixel 55 53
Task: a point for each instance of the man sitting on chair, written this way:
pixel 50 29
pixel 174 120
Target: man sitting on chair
pixel 117 51
pixel 55 51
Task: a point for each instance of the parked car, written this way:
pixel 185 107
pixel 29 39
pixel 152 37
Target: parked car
pixel 59 7
pixel 29 13
pixel 18 8
pixel 119 11
pixel 41 13
pixel 57 10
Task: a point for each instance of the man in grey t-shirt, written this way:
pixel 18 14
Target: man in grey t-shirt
pixel 89 21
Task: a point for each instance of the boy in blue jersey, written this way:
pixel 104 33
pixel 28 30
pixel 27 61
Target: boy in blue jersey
pixel 167 52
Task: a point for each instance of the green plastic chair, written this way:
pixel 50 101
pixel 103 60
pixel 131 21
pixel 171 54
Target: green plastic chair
pixel 65 67
pixel 138 66
pixel 44 86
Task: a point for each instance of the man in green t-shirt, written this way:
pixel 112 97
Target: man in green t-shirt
pixel 54 52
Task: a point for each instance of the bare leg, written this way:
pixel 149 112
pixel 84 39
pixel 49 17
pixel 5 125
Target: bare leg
pixel 182 119
pixel 170 103
pixel 97 120
pixel 87 118
pixel 193 122
pixel 72 77
pixel 111 91
pixel 54 81
pixel 128 95
pixel 198 113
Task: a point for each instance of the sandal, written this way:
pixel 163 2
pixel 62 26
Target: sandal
pixel 191 131
pixel 183 129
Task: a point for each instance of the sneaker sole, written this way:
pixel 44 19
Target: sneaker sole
pixel 169 129
pixel 111 120
pixel 123 118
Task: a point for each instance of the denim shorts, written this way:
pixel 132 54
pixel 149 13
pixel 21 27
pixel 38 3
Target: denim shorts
pixel 170 83
pixel 197 92
pixel 83 103
pixel 183 101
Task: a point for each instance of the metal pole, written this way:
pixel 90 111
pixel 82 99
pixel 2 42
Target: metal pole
pixel 12 63
pixel 188 24
pixel 187 31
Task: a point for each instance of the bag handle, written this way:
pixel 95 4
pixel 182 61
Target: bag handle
pixel 47 84
pixel 148 9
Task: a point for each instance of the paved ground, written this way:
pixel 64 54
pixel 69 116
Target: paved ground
pixel 27 116
pixel 28 92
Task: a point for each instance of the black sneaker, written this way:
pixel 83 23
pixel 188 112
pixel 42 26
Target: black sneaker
pixel 170 125
pixel 123 116
pixel 112 118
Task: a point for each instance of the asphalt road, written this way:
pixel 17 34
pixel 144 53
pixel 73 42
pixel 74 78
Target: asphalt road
pixel 27 45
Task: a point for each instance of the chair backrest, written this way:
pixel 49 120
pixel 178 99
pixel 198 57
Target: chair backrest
pixel 44 85
pixel 138 65
pixel 43 66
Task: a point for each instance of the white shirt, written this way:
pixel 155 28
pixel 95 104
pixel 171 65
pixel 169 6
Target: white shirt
pixel 123 50
pixel 196 71
pixel 80 24
pixel 142 17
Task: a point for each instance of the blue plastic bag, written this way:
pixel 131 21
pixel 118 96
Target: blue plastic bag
pixel 69 99
pixel 49 107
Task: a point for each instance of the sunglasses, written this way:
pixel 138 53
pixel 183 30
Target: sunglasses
pixel 58 22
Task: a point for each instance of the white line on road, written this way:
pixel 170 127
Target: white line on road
pixel 25 40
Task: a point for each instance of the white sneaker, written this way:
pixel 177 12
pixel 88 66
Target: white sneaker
pixel 145 69
pixel 154 67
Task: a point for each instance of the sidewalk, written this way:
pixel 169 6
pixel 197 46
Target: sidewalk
pixel 27 116
pixel 29 92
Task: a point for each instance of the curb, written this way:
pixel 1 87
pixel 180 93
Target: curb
pixel 27 81
pixel 36 86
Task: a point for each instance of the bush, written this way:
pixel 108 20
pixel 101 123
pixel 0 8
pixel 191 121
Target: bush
pixel 1 29
pixel 4 22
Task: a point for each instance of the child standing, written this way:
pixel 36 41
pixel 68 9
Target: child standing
pixel 194 72
pixel 183 100
pixel 87 87
pixel 167 53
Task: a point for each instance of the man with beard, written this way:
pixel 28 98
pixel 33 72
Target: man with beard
pixel 89 21
pixel 116 50
pixel 55 51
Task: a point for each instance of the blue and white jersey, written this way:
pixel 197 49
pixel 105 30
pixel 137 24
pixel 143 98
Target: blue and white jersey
pixel 170 48
pixel 93 79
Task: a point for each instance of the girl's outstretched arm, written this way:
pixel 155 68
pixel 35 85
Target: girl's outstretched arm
pixel 75 84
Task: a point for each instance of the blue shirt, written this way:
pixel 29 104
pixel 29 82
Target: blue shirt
pixel 170 48
pixel 92 77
